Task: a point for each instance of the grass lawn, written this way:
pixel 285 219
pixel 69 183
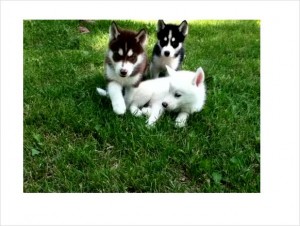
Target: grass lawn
pixel 73 141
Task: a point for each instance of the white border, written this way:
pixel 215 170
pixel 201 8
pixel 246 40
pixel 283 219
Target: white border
pixel 278 202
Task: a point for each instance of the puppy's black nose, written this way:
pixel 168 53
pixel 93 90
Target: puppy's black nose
pixel 123 72
pixel 167 53
pixel 164 104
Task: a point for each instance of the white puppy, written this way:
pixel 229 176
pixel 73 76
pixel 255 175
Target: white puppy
pixel 187 94
pixel 182 91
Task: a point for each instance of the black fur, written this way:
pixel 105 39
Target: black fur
pixel 169 49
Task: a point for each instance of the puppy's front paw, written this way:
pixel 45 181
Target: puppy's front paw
pixel 181 119
pixel 137 113
pixel 119 108
pixel 146 111
pixel 150 124
pixel 180 124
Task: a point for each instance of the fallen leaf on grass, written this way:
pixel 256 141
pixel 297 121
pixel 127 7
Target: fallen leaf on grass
pixel 83 30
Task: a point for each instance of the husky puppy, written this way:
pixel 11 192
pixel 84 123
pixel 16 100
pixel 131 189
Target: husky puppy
pixel 169 48
pixel 125 64
pixel 181 91
pixel 185 97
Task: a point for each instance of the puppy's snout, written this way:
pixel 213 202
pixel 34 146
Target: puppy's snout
pixel 167 53
pixel 123 72
pixel 164 104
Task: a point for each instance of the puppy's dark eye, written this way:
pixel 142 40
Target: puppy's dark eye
pixel 132 58
pixel 177 95
pixel 116 56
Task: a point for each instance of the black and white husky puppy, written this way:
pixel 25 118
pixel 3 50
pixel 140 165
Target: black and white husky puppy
pixel 169 48
pixel 125 64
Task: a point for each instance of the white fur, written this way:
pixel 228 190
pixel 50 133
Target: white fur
pixel 189 100
pixel 162 90
pixel 101 92
pixel 158 64
pixel 114 88
pixel 150 91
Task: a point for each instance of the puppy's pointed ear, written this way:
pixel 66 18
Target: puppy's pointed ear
pixel 183 28
pixel 160 25
pixel 141 37
pixel 114 31
pixel 170 70
pixel 199 77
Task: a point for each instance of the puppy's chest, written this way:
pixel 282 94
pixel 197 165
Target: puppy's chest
pixel 126 81
pixel 162 61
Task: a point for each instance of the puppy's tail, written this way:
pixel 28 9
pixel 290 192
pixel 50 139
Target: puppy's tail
pixel 101 92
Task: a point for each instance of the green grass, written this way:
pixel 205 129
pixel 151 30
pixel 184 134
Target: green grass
pixel 73 141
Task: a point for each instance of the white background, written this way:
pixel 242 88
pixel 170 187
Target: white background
pixel 278 202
